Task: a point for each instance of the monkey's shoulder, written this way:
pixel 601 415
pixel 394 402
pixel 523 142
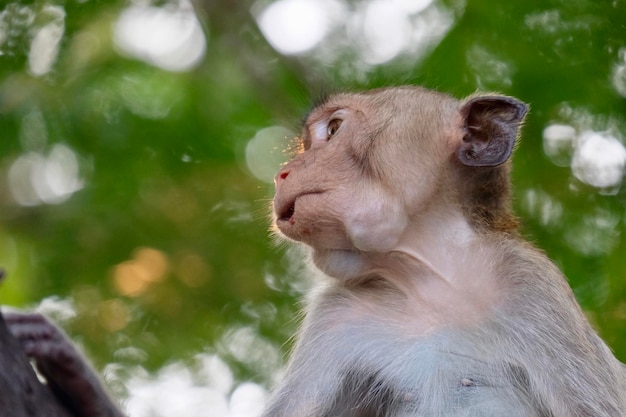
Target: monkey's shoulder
pixel 506 362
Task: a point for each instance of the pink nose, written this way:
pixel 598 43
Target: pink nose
pixel 281 175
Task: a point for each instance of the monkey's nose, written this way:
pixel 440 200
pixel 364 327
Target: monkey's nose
pixel 281 175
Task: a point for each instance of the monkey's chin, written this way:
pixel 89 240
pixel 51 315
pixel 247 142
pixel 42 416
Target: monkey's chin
pixel 330 238
pixel 290 229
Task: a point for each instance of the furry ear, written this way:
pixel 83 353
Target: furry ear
pixel 491 124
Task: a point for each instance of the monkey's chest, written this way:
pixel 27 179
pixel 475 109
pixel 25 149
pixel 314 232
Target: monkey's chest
pixel 429 379
pixel 439 383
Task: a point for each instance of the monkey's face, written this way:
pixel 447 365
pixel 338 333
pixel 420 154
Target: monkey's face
pixel 378 168
pixel 368 166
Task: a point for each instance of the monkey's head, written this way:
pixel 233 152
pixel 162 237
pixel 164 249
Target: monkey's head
pixel 379 163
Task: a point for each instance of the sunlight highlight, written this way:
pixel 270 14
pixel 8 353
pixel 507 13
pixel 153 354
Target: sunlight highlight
pixel 356 36
pixel 599 160
pixel 596 158
pixel 36 178
pixel 44 47
pixel 205 389
pixel 264 152
pixel 148 266
pixel 170 38
pixel 294 26
pixel 558 143
pixel 619 73
pixel 385 31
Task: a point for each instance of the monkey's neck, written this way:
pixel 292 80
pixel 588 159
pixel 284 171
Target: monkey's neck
pixel 444 269
pixel 441 247
pixel 442 252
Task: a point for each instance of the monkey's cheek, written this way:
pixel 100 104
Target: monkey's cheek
pixel 378 228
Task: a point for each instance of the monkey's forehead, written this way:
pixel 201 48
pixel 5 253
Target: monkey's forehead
pixel 332 102
pixel 377 100
pixel 326 105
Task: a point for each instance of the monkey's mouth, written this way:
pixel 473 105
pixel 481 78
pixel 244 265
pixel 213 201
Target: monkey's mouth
pixel 285 212
pixel 288 212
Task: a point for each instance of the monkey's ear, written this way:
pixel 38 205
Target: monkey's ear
pixel 491 124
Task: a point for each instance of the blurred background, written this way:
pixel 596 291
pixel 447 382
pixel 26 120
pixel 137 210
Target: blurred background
pixel 138 141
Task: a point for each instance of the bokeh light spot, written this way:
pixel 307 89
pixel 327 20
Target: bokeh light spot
pixel 133 278
pixel 558 143
pixel 294 26
pixel 36 178
pixel 619 73
pixel 386 31
pixel 599 160
pixel 170 38
pixel 264 152
pixel 44 47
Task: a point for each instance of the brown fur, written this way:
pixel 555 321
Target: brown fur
pixel 486 198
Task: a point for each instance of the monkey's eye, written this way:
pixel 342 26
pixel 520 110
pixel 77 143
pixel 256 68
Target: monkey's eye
pixel 332 128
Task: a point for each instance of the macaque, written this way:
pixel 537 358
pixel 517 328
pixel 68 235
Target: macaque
pixel 432 303
pixel 67 373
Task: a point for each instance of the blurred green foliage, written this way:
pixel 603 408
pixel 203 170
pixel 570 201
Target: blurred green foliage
pixel 163 197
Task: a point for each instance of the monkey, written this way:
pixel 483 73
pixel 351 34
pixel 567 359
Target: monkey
pixel 431 303
pixel 67 373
